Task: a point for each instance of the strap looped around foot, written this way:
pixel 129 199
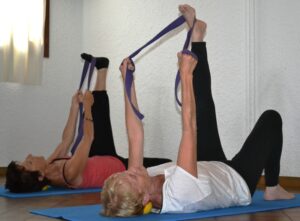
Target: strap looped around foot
pixel 129 74
pixel 188 52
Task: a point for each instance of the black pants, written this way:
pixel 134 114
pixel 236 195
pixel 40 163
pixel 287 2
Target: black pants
pixel 103 143
pixel 261 150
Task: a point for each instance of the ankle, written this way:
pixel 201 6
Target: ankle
pixel 199 31
pixel 102 71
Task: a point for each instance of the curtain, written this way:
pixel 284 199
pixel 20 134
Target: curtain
pixel 21 40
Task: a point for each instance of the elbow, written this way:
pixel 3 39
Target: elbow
pixel 71 175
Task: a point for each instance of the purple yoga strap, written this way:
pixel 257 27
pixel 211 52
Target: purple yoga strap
pixel 87 65
pixel 129 73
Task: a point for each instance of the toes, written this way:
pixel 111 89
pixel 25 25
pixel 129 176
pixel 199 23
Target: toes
pixel 182 9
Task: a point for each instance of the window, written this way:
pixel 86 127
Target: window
pixel 21 40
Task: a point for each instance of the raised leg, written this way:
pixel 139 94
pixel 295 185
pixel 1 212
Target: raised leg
pixel 103 143
pixel 208 142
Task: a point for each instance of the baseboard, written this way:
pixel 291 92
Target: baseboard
pixel 285 181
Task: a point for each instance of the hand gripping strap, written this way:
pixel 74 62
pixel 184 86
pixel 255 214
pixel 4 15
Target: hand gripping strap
pixel 129 74
pixel 83 77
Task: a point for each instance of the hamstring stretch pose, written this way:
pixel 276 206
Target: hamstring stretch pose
pixel 95 158
pixel 202 178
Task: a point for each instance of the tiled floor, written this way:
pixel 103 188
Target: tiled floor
pixel 17 209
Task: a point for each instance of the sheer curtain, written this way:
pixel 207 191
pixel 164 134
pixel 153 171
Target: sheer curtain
pixel 21 40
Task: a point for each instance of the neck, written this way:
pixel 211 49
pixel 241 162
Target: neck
pixel 156 190
pixel 53 173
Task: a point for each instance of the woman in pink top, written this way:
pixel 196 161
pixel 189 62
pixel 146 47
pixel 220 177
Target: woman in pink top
pixel 95 158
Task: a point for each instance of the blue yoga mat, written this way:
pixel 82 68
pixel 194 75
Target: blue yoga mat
pixel 52 191
pixel 82 213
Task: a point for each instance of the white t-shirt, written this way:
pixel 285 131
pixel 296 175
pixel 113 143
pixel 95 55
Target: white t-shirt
pixel 217 186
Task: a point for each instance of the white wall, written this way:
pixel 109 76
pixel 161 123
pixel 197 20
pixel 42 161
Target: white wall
pixel 32 117
pixel 277 72
pixel 240 51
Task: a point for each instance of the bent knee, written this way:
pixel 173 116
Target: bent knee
pixel 272 116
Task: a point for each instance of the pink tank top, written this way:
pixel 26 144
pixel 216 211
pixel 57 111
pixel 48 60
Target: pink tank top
pixel 98 169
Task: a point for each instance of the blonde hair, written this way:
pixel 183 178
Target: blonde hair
pixel 119 198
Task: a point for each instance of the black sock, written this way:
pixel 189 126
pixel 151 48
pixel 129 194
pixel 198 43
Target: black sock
pixel 101 62
pixel 86 57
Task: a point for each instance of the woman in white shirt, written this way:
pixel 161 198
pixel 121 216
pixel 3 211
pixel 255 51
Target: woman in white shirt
pixel 202 178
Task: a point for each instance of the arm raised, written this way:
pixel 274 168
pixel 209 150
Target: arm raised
pixel 69 131
pixel 187 154
pixel 75 166
pixel 135 130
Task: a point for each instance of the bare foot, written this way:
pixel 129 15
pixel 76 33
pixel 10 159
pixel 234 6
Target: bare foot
pixel 277 193
pixel 199 30
pixel 188 13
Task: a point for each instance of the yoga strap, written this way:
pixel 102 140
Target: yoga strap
pixel 129 73
pixel 184 51
pixel 86 66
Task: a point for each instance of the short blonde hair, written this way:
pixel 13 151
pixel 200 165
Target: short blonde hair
pixel 120 199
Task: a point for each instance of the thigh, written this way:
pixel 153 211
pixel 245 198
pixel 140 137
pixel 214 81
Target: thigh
pixel 103 143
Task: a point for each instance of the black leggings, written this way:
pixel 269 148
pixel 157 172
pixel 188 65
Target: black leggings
pixel 103 143
pixel 261 150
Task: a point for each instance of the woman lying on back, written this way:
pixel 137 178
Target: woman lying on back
pixel 95 158
pixel 202 178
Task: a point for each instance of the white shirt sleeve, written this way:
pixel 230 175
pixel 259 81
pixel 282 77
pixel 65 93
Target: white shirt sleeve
pixel 182 192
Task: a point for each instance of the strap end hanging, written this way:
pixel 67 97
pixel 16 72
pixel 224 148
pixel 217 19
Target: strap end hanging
pixel 92 68
pixel 86 66
pixel 128 85
pixel 83 74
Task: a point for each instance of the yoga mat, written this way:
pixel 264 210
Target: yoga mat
pixel 91 213
pixel 52 191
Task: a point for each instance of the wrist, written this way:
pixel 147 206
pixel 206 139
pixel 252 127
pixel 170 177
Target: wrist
pixel 74 104
pixel 87 107
pixel 186 75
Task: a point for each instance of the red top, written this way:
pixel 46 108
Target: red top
pixel 98 169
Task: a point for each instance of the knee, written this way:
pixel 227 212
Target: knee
pixel 272 117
